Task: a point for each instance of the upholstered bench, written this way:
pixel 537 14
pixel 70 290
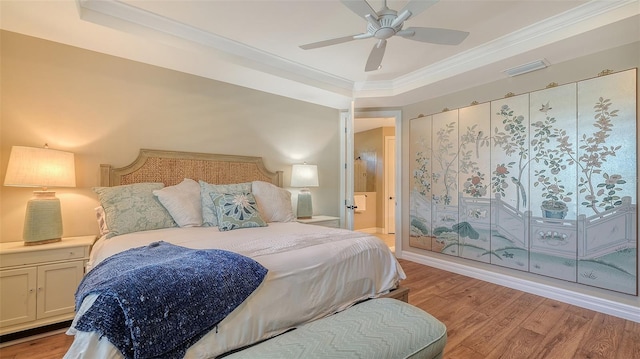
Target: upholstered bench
pixel 378 328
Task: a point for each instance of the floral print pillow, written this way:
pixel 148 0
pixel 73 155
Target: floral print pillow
pixel 209 215
pixel 236 210
pixel 133 208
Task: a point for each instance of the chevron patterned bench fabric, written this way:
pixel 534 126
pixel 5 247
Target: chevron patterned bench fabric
pixel 378 328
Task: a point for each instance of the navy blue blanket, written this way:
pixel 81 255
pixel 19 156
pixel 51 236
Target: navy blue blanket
pixel 156 301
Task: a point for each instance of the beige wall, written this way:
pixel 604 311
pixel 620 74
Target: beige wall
pixel 105 108
pixel 372 141
pixel 618 59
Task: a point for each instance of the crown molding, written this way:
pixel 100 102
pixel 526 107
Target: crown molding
pixel 589 16
pixel 128 18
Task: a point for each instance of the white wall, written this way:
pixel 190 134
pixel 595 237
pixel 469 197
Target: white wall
pixel 104 109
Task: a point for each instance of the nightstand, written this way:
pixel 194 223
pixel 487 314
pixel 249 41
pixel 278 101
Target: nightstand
pixel 326 221
pixel 38 283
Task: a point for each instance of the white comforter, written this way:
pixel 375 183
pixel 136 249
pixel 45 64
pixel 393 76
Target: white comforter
pixel 314 271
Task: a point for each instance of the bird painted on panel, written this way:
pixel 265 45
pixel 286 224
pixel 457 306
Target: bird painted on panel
pixel 522 192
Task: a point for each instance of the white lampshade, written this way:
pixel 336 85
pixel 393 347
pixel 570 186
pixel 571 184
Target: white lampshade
pixel 41 167
pixel 304 176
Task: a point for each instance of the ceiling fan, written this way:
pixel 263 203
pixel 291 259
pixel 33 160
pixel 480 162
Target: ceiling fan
pixel 386 23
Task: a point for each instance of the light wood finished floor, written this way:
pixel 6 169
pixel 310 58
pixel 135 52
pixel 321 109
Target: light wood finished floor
pixel 483 321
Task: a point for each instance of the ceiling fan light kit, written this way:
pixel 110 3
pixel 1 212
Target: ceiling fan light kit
pixel 386 23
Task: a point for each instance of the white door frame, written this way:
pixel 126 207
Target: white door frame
pixel 388 172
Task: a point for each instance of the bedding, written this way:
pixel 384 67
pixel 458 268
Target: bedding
pixel 209 215
pixel 182 201
pixel 313 271
pixel 133 208
pixel 274 203
pixel 236 210
pixel 156 300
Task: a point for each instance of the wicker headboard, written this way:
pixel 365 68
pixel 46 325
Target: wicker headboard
pixel 171 167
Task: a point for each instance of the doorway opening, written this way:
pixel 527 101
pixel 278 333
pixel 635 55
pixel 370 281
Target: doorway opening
pixel 374 176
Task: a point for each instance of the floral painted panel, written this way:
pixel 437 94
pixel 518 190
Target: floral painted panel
pixel 444 167
pixel 421 230
pixel 510 181
pixel 607 202
pixel 553 190
pixel 474 177
pixel 544 182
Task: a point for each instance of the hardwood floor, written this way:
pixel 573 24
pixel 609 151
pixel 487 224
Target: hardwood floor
pixel 483 320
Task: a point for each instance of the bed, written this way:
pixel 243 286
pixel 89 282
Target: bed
pixel 312 271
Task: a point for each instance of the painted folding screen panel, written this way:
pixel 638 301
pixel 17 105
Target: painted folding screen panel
pixel 553 187
pixel 543 182
pixel 444 187
pixel 607 202
pixel 420 217
pixel 510 181
pixel 474 164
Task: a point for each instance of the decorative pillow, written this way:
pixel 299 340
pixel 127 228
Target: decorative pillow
pixel 274 202
pixel 102 220
pixel 236 210
pixel 209 215
pixel 133 208
pixel 183 202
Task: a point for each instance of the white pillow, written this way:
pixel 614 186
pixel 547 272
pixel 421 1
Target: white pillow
pixel 182 201
pixel 102 220
pixel 274 203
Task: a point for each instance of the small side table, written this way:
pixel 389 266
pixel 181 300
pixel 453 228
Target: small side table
pixel 326 221
pixel 37 283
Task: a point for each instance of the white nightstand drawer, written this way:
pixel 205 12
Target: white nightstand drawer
pixel 34 257
pixel 16 253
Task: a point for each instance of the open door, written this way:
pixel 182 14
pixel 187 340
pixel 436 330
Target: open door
pixel 347 209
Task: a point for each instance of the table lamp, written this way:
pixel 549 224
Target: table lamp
pixel 41 167
pixel 304 176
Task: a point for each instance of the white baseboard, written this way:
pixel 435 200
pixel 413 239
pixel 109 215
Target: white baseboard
pixel 602 305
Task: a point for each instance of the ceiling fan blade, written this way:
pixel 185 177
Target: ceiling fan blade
pixel 361 8
pixel 402 17
pixel 434 35
pixel 375 57
pixel 339 40
pixel 417 6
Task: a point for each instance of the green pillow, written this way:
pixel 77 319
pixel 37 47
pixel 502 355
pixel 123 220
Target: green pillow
pixel 236 210
pixel 133 208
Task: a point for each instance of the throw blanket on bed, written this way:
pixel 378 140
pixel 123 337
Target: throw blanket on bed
pixel 155 301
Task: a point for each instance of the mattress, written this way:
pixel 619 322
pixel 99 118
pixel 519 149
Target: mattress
pixel 314 271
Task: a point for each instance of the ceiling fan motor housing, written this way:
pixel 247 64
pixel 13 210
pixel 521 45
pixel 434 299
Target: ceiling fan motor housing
pixel 386 17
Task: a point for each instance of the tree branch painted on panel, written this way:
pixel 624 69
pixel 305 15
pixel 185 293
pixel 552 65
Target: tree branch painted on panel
pixel 447 156
pixel 513 140
pixel 599 194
